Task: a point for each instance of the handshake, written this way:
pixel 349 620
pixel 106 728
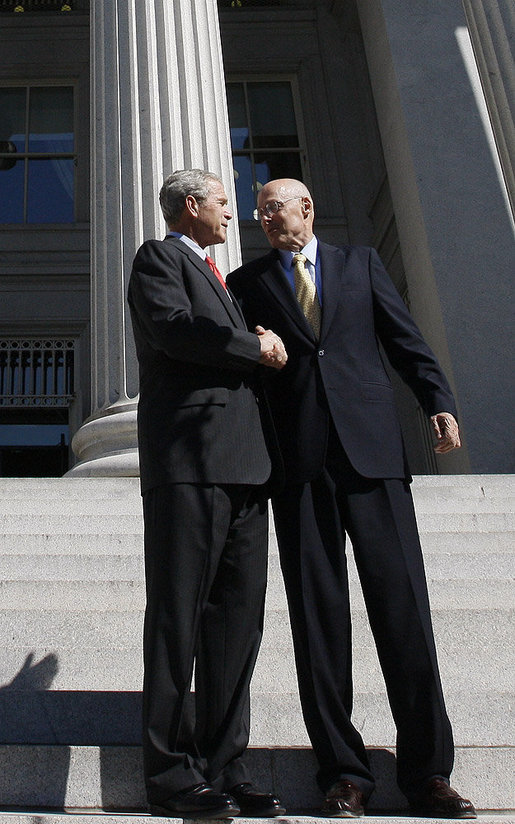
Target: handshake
pixel 273 352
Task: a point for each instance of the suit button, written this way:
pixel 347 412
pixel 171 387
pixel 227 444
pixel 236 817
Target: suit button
pixel 321 353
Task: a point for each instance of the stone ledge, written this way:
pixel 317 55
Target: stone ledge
pixel 111 777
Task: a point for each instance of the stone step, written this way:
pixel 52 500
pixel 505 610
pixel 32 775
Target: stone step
pixel 69 568
pixel 102 651
pixel 111 777
pixel 106 817
pixel 486 485
pixel 71 602
pixel 466 628
pixel 116 566
pixel 124 595
pixel 126 500
pixel 76 544
pixel 101 717
pixel 66 488
pixel 130 522
pixel 277 718
pixel 113 542
pixel 59 523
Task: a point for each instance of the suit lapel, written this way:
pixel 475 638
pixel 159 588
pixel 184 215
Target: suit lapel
pixel 231 307
pixel 275 281
pixel 332 262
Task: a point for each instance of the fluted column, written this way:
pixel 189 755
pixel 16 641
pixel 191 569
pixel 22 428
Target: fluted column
pixel 157 104
pixel 492 30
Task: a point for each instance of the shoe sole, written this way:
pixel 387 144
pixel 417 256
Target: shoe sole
pixel 433 814
pixel 265 812
pixel 216 812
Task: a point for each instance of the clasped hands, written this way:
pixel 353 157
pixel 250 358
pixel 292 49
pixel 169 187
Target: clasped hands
pixel 273 352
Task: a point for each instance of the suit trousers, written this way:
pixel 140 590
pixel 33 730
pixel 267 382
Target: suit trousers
pixel 378 515
pixel 206 568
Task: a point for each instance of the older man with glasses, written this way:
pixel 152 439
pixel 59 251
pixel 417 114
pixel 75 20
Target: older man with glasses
pixel 346 472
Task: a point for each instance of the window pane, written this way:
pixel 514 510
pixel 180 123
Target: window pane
pixel 272 165
pixel 12 117
pixel 50 191
pixel 237 116
pixel 272 116
pixel 51 119
pixel 244 191
pixel 11 193
pixel 31 434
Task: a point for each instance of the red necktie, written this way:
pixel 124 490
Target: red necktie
pixel 212 265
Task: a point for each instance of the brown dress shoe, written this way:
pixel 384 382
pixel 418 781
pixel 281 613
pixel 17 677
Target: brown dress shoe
pixel 437 800
pixel 343 800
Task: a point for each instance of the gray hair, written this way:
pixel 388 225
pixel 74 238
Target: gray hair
pixel 178 186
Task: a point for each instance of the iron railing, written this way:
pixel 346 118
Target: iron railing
pixel 37 372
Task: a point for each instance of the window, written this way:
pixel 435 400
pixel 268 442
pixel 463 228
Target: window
pixel 37 154
pixel 37 378
pixel 238 4
pixel 264 137
pixel 36 372
pixel 43 6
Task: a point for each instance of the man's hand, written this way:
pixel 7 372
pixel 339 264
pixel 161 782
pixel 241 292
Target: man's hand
pixel 273 352
pixel 446 430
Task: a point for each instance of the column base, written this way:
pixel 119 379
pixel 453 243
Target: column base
pixel 106 445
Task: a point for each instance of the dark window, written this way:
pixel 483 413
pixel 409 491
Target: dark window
pixel 32 7
pixel 37 378
pixel 240 4
pixel 264 137
pixel 37 154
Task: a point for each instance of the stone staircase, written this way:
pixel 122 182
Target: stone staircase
pixel 71 607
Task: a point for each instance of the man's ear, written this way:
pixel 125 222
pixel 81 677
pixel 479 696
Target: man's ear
pixel 306 206
pixel 191 205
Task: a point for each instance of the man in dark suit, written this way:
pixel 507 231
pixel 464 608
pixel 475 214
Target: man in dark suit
pixel 204 465
pixel 346 471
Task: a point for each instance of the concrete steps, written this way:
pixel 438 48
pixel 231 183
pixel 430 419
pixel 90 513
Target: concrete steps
pixel 71 608
pixel 103 817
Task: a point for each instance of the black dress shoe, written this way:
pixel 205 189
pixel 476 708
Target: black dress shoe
pixel 437 799
pixel 253 802
pixel 343 800
pixel 200 801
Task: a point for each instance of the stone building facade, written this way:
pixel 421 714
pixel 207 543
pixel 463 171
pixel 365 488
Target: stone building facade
pixel 401 123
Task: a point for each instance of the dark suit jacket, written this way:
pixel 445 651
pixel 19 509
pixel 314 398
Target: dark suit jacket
pixel 342 376
pixel 198 417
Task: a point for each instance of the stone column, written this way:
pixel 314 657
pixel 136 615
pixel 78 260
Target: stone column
pixel 157 103
pixel 491 25
pixel 454 221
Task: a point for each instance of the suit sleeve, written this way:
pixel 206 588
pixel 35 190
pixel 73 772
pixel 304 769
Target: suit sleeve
pixel 404 345
pixel 158 296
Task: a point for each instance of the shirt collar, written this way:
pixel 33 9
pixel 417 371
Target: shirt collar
pixel 189 242
pixel 309 250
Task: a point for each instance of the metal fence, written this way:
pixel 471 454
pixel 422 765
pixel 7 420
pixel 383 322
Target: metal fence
pixel 37 372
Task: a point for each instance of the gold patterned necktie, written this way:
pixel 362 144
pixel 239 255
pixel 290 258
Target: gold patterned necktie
pixel 306 293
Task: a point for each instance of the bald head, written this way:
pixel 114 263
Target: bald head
pixel 291 226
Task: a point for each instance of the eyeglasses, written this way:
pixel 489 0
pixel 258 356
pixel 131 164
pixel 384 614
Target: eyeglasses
pixel 272 208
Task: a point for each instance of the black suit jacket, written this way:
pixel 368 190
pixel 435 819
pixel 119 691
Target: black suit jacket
pixel 198 417
pixel 342 376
